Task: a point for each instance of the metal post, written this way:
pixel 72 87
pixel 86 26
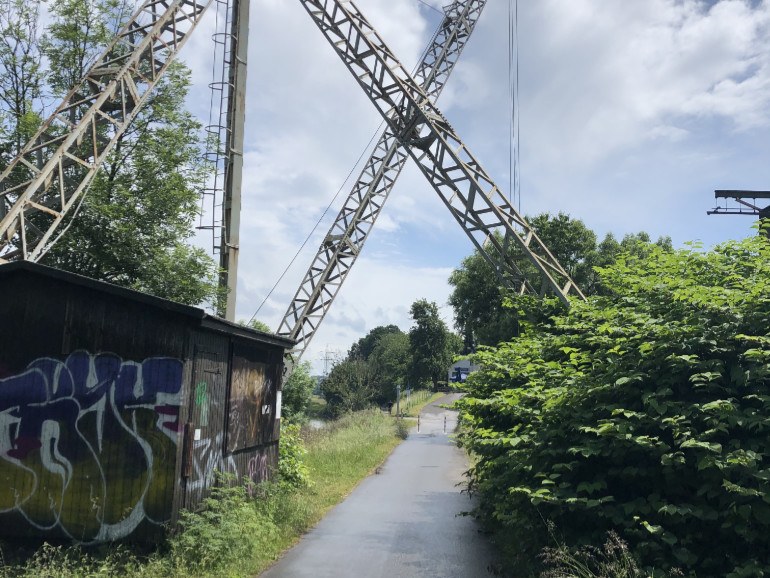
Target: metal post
pixel 236 115
pixel 444 424
pixel 398 400
pixel 418 423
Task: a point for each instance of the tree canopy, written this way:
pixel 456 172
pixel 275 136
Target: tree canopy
pixel 478 296
pixel 432 344
pixel 134 225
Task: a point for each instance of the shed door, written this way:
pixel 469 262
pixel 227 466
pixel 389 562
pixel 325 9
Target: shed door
pixel 205 426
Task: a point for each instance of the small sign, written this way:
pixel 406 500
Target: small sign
pixel 265 410
pixel 197 435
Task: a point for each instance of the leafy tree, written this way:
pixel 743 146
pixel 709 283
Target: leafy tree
pixel 390 362
pixel 478 297
pixel 477 300
pixel 641 411
pixel 21 75
pixel 257 324
pixel 431 347
pixel 569 240
pixel 364 347
pixel 134 224
pixel 375 366
pixel 639 245
pixel 78 34
pixel 348 387
pixel 297 390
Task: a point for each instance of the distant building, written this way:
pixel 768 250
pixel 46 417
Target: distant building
pixel 460 370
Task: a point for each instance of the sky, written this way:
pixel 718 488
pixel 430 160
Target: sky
pixel 631 114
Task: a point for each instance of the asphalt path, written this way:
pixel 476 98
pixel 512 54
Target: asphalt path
pixel 404 521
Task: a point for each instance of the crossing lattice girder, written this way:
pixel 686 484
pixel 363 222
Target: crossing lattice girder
pixel 44 183
pixel 347 235
pixel 463 185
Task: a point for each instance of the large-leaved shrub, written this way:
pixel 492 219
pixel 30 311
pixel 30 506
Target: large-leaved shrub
pixel 646 412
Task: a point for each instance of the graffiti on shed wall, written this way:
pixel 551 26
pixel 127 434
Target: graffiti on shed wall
pixel 88 444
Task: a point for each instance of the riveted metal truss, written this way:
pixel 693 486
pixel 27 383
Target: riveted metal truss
pixel 495 227
pixel 41 186
pixel 347 235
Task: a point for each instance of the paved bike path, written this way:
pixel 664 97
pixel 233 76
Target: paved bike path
pixel 402 522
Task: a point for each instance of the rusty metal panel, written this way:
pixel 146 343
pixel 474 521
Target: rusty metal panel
pixel 31 322
pixel 256 464
pixel 184 419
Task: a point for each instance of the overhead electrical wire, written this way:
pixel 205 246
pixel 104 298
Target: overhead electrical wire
pixel 514 145
pixel 334 198
pixel 429 6
pixel 320 219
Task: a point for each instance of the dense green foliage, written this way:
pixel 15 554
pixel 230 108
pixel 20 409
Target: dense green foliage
pixel 383 355
pixel 364 347
pixel 433 345
pixel 643 411
pixel 292 469
pixel 297 390
pixel 478 297
pixel 390 361
pixel 348 387
pixel 228 528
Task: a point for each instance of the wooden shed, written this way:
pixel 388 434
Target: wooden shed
pixel 116 408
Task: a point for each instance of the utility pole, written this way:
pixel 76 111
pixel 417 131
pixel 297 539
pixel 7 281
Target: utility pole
pixel 236 115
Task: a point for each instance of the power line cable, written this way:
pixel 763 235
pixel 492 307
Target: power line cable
pixel 326 210
pixel 514 169
pixel 518 109
pixel 429 6
pixel 321 218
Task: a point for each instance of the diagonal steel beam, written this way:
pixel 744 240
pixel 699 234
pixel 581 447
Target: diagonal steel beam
pixel 347 235
pixel 463 185
pixel 53 171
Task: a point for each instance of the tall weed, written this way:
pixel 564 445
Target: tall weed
pixel 612 560
pixel 230 529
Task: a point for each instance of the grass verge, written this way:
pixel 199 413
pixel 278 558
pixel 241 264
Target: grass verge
pixel 237 535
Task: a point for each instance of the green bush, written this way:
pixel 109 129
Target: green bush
pixel 228 530
pixel 645 411
pixel 291 467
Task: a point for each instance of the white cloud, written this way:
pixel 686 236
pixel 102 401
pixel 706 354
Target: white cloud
pixel 632 112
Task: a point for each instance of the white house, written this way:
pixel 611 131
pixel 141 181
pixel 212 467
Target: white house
pixel 460 370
